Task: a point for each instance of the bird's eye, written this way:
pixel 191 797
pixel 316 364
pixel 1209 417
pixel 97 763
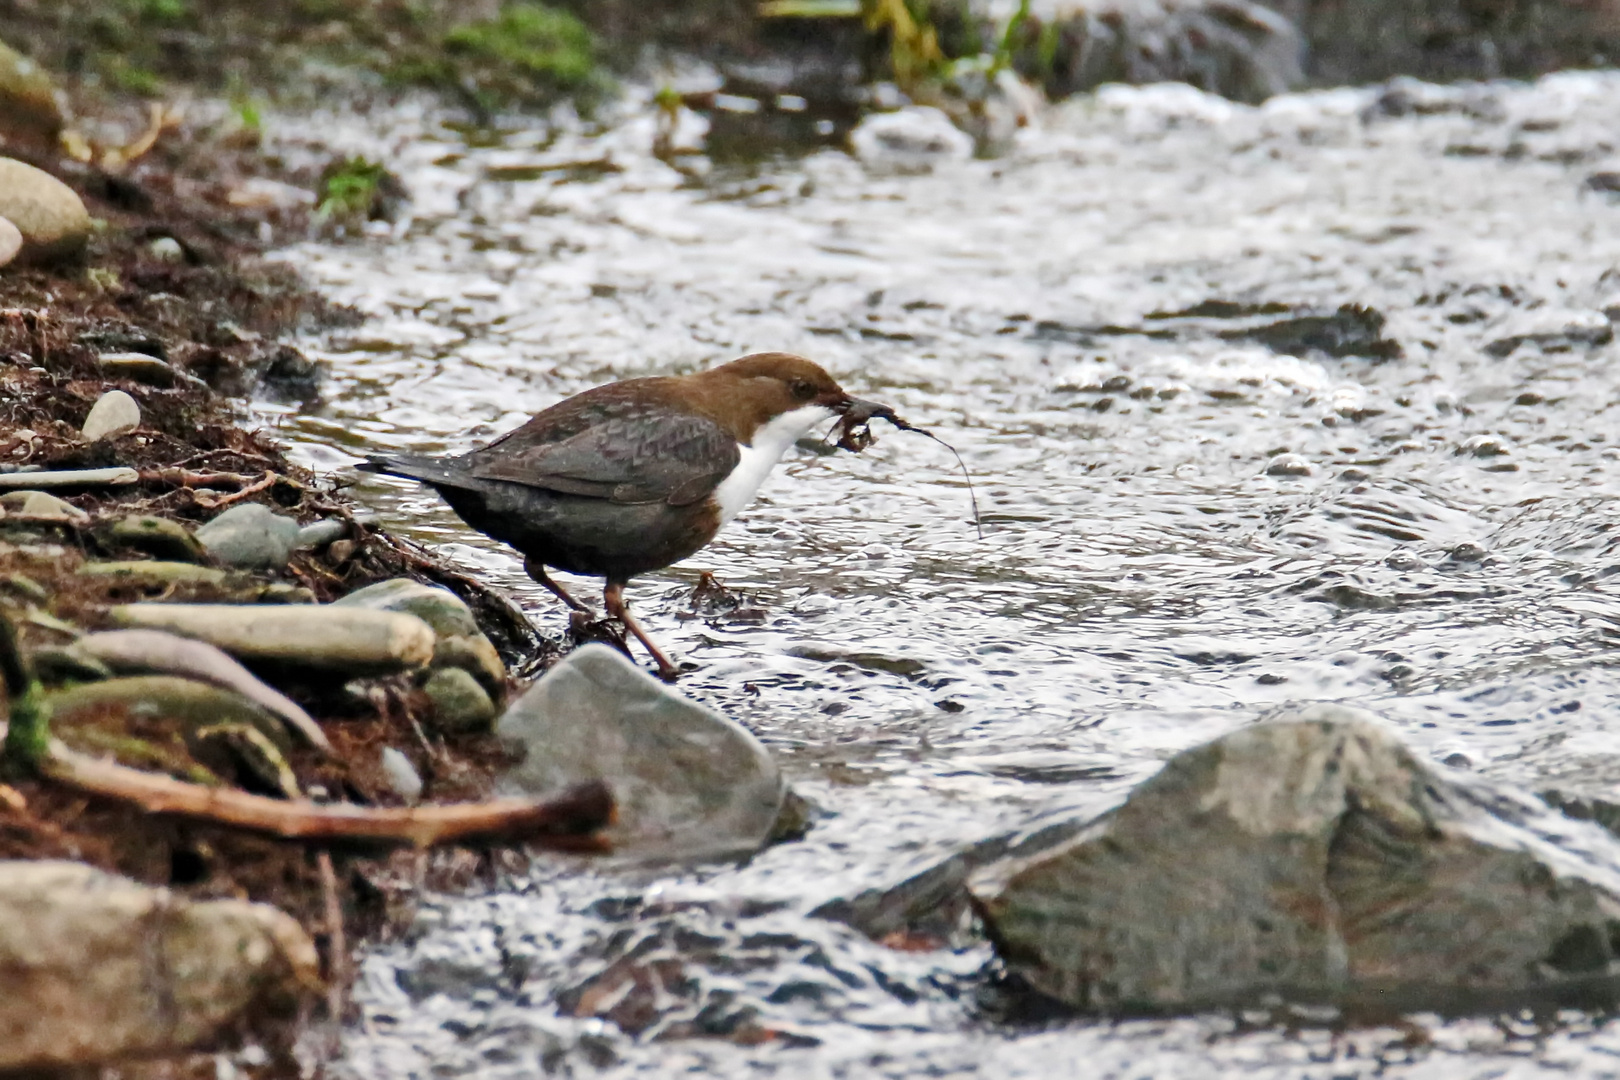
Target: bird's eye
pixel 803 389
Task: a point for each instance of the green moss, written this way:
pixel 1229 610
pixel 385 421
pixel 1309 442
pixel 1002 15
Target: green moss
pixel 349 189
pixel 527 54
pixel 541 42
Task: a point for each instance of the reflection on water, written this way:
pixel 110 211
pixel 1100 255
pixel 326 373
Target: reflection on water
pixel 1185 525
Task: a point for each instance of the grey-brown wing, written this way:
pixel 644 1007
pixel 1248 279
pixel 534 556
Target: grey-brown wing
pixel 648 457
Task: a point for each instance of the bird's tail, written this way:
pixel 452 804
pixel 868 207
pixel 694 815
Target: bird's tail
pixel 428 470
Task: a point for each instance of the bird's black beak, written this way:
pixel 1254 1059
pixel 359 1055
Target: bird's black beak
pixel 856 411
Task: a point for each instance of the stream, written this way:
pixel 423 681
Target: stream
pixel 1185 525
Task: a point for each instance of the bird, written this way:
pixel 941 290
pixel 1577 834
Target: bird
pixel 632 476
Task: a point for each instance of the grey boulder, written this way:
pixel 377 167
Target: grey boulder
pixel 1312 859
pixel 689 783
pixel 101 969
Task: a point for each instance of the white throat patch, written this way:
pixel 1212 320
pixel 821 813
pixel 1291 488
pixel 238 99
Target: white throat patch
pixel 770 443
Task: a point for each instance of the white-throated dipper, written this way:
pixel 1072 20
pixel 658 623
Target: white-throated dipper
pixel 634 475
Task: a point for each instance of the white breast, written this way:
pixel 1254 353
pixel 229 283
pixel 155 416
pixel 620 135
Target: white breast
pixel 770 443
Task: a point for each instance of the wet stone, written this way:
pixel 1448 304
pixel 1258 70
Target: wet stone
pixel 50 215
pixel 250 536
pixel 113 414
pixel 1314 858
pixel 76 942
pixel 460 705
pixel 688 782
pixel 158 537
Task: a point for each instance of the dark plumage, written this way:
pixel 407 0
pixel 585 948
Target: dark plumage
pixel 631 476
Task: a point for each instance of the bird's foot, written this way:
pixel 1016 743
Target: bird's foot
pixel 613 600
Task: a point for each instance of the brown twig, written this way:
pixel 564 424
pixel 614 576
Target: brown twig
pixel 569 822
pixel 211 503
pixel 186 478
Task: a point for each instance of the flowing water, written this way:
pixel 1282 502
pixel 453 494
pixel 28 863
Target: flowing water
pixel 1185 525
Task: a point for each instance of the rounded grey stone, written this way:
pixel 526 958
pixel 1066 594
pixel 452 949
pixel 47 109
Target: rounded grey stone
pixel 11 241
pixel 250 536
pixel 688 782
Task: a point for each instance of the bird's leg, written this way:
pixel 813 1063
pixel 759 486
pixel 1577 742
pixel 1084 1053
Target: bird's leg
pixel 537 571
pixel 613 600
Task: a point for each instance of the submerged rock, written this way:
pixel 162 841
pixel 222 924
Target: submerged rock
pixel 250 536
pixel 1312 858
pixel 688 783
pixel 323 637
pixel 50 215
pixel 912 140
pixel 99 968
pixel 113 414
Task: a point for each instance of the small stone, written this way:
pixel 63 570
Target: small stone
pixel 158 537
pixel 339 552
pixel 440 608
pixel 401 775
pixel 320 533
pixel 49 214
pixel 166 249
pixel 1288 465
pixel 688 782
pixel 320 636
pixel 460 706
pixel 250 536
pixel 102 969
pixel 69 478
pixel 11 241
pixel 113 414
pixel 44 506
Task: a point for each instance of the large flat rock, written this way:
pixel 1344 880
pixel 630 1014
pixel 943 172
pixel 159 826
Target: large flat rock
pixel 1313 858
pixel 688 782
